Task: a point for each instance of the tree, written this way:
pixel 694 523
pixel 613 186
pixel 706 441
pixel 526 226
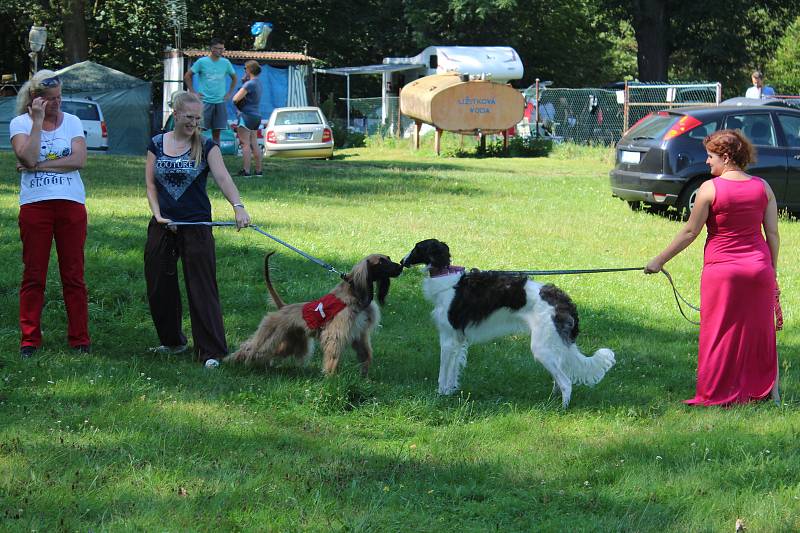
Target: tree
pixel 712 40
pixel 783 69
pixel 76 42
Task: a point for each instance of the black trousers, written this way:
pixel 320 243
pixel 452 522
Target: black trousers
pixel 194 245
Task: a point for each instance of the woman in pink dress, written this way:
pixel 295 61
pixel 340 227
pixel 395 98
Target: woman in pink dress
pixel 737 355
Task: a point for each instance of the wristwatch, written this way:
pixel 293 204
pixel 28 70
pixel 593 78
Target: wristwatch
pixel 239 205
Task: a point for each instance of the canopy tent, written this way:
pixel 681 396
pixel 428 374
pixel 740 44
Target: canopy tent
pixel 124 100
pixel 368 69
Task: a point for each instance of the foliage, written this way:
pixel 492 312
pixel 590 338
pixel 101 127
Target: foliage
pixel 783 70
pixel 344 137
pixel 123 440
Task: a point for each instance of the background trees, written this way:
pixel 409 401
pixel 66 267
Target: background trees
pixel 572 42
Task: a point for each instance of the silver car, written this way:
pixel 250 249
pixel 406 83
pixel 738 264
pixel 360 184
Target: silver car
pixel 298 132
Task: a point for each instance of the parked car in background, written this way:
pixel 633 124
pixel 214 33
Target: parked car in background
pixel 298 132
pixel 660 161
pixel 94 125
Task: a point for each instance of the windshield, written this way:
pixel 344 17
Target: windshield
pixel 82 110
pixel 653 126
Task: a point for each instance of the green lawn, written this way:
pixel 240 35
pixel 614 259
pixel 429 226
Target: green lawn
pixel 124 440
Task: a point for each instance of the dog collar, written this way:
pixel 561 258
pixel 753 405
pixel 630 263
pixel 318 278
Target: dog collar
pixel 446 271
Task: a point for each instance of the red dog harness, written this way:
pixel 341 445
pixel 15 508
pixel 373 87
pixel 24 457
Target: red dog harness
pixel 317 313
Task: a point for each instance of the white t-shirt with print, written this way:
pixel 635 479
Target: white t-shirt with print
pixel 42 185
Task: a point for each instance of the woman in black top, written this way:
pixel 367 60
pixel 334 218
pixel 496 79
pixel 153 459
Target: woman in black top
pixel 178 164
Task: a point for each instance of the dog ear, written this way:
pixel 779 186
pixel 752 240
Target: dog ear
pixel 360 283
pixel 383 289
pixel 439 254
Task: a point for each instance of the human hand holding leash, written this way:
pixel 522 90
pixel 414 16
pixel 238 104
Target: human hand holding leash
pixel 242 218
pixel 654 266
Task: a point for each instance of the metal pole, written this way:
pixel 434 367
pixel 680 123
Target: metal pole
pixel 348 102
pixel 536 120
pixel 719 92
pixel 625 110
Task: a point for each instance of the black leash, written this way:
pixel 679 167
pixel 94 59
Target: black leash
pixel 311 258
pixel 678 296
pixel 555 272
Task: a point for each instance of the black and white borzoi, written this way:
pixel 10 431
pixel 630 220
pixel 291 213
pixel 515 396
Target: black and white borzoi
pixel 474 307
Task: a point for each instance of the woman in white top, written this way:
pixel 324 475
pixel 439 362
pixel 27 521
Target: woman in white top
pixel 50 149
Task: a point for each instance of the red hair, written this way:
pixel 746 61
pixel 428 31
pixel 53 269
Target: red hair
pixel 731 143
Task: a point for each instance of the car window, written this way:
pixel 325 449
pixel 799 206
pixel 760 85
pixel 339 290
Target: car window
pixel 703 130
pixel 294 118
pixel 82 110
pixel 652 126
pixel 758 128
pixel 791 129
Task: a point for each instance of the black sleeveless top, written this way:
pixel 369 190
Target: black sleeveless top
pixel 181 186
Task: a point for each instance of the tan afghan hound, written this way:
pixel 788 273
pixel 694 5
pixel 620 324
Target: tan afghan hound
pixel 346 315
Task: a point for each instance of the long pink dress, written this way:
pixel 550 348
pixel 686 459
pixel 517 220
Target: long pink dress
pixel 737 356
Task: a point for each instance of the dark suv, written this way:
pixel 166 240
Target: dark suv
pixel 661 159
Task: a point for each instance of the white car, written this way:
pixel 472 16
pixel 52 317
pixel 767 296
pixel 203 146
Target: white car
pixel 94 127
pixel 298 132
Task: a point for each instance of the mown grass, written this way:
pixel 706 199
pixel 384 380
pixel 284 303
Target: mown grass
pixel 123 440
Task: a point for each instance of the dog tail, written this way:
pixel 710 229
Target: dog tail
pixel 588 370
pixel 272 292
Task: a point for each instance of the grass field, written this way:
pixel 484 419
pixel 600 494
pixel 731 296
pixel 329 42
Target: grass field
pixel 123 440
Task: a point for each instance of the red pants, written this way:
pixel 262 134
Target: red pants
pixel 39 223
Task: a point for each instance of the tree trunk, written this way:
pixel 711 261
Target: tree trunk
pixel 651 27
pixel 76 44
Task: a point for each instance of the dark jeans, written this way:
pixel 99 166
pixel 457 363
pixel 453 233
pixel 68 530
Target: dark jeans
pixel 194 245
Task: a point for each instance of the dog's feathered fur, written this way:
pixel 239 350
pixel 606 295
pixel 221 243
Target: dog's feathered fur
pixel 284 333
pixel 473 307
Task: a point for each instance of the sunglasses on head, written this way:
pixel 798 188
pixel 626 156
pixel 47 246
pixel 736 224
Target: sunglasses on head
pixel 49 83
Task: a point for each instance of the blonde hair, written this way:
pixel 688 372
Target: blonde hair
pixel 179 101
pixel 32 88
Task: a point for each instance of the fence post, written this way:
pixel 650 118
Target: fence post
pixel 719 92
pixel 399 128
pixel 625 109
pixel 536 116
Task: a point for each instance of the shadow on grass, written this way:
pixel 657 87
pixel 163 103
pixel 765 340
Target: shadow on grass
pixel 152 463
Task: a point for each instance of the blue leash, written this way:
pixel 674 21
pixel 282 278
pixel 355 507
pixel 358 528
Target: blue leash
pixel 311 258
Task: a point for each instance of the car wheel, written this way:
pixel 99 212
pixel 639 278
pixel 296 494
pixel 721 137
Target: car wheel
pixel 688 196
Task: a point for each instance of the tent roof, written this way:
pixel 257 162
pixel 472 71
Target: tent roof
pixel 369 69
pixel 88 76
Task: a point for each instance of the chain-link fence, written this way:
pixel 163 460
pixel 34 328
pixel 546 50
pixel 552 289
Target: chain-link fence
pixel 600 116
pixel 368 116
pixel 582 116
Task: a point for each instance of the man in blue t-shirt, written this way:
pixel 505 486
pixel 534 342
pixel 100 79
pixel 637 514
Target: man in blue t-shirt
pixel 212 71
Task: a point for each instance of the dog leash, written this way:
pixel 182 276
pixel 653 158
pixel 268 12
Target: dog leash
pixel 678 296
pixel 310 257
pixel 555 272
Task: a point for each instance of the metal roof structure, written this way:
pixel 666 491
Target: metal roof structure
pixel 368 69
pixel 268 57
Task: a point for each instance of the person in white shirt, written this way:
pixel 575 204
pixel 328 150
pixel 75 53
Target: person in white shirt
pixel 50 149
pixel 759 90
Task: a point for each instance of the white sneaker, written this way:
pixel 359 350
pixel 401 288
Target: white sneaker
pixel 164 350
pixel 212 363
